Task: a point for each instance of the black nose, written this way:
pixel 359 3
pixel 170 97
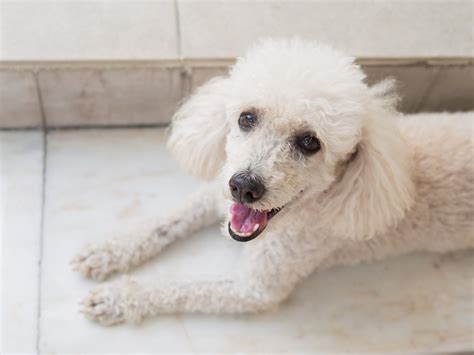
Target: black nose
pixel 245 188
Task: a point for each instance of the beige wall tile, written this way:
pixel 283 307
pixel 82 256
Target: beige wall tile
pixel 77 97
pixel 412 82
pixel 420 87
pixel 109 97
pixel 201 75
pixel 19 105
pixel 213 28
pixel 451 90
pixel 424 88
pixel 77 30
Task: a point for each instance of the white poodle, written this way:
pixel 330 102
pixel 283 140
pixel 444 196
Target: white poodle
pixel 311 165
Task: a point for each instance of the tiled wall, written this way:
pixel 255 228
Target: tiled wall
pixel 159 29
pixel 104 97
pixel 149 95
pixel 81 63
pixel 19 100
pixel 82 30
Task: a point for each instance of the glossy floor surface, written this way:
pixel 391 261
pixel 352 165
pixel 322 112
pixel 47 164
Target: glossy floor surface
pixel 69 188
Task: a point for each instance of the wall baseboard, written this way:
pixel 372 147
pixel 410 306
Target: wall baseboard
pixel 144 93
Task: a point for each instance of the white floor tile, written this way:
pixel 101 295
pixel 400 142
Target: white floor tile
pixel 20 213
pixel 101 183
pixel 418 302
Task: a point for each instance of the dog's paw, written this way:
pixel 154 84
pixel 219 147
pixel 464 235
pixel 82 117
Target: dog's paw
pixel 105 306
pixel 96 262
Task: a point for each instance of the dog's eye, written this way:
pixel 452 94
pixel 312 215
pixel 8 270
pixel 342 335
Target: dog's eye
pixel 247 121
pixel 307 143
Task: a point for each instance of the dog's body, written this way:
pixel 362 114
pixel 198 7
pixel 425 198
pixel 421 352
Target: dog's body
pixel 355 181
pixel 441 218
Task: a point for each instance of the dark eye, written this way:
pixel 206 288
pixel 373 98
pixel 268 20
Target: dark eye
pixel 307 143
pixel 247 121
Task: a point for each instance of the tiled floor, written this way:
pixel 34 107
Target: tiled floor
pixel 98 183
pixel 21 160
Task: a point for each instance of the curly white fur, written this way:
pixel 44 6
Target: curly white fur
pixel 382 184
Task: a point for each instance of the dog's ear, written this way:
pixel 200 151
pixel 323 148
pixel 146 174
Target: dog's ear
pixel 199 129
pixel 376 188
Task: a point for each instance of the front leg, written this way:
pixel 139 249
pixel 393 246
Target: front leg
pixel 268 273
pixel 119 255
pixel 130 301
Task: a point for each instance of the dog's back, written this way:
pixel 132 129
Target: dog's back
pixel 443 170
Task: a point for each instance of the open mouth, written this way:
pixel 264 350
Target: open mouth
pixel 246 223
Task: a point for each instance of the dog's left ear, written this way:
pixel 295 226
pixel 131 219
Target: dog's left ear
pixel 376 188
pixel 199 129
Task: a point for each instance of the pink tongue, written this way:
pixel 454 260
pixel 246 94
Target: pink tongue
pixel 244 219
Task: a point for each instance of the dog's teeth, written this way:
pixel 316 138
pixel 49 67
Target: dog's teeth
pixel 255 228
pixel 245 234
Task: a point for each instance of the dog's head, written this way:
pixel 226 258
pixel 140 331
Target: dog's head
pixel 295 118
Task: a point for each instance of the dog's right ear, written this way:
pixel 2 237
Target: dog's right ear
pixel 199 129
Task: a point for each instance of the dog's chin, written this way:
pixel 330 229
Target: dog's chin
pixel 246 224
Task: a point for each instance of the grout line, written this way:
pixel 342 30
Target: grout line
pixel 42 212
pixel 185 65
pixel 88 127
pixel 20 129
pixel 105 126
pixel 115 65
pixel 42 223
pixel 213 62
pixel 179 44
pixel 428 90
pixel 40 100
pixel 186 82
